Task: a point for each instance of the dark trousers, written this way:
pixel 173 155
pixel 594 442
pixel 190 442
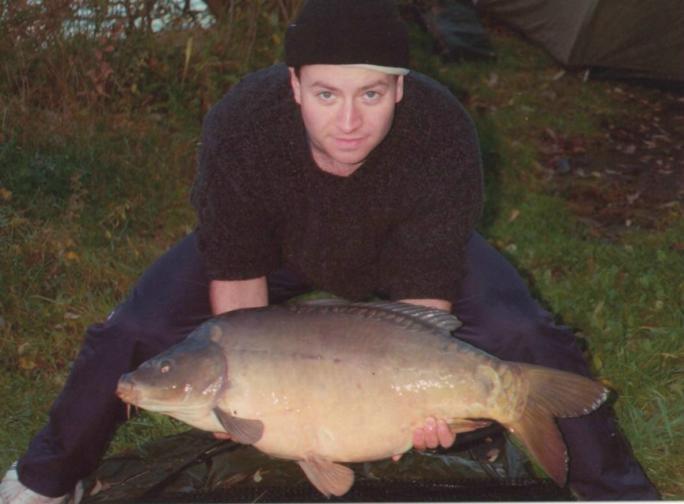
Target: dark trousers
pixel 171 299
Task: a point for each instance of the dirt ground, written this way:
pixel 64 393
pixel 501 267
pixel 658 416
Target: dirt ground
pixel 631 175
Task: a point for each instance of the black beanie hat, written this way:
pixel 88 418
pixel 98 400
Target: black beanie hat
pixel 348 32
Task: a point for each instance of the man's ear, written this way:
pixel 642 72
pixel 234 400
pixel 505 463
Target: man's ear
pixel 400 89
pixel 296 86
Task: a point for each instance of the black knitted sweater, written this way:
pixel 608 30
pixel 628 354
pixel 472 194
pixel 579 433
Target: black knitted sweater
pixel 396 227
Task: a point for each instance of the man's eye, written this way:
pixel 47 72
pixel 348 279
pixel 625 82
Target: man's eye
pixel 372 95
pixel 325 95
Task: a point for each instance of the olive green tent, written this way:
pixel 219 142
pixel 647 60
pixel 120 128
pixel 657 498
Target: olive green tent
pixel 640 38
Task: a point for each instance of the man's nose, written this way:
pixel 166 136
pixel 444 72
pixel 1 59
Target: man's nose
pixel 349 117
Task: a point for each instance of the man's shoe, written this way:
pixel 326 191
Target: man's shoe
pixel 13 491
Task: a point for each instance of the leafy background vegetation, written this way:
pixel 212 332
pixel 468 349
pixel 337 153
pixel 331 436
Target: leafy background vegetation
pixel 99 126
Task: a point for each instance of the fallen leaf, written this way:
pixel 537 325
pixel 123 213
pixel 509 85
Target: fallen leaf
pixel 233 480
pixel 631 198
pixel 259 475
pixel 26 363
pixel 515 213
pixel 663 137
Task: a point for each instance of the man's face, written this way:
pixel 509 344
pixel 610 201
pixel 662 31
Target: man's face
pixel 347 112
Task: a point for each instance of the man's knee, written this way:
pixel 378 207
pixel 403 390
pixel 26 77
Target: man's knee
pixel 131 334
pixel 501 333
pixel 524 337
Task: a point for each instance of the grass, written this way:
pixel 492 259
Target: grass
pixel 91 191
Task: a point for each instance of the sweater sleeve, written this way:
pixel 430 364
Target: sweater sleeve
pixel 236 223
pixel 425 254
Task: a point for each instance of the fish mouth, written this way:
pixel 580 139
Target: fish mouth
pixel 137 395
pixel 126 390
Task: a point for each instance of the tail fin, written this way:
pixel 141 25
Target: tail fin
pixel 553 393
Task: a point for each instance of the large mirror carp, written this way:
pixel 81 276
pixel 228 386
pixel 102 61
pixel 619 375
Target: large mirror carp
pixel 324 384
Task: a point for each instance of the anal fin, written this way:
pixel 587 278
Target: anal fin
pixel 328 477
pixel 241 430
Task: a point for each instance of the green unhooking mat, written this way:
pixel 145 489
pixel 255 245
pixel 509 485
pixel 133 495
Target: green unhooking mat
pixel 195 467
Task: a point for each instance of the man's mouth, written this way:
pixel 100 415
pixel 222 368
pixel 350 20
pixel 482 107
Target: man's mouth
pixel 349 143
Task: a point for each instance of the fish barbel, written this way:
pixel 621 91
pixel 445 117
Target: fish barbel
pixel 328 383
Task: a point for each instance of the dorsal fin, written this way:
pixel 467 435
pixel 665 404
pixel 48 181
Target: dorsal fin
pixel 324 302
pixel 430 316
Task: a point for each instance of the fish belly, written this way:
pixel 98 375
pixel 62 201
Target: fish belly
pixel 347 408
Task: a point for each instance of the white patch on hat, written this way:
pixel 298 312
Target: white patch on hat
pixel 378 68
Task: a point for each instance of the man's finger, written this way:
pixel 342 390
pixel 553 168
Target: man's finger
pixel 395 458
pixel 431 437
pixel 221 435
pixel 419 439
pixel 444 434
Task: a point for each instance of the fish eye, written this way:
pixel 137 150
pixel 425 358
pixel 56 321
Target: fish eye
pixel 164 367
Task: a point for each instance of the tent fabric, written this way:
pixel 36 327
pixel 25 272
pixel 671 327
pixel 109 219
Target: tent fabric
pixel 457 30
pixel 641 38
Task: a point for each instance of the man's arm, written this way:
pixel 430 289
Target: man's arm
pixel 440 304
pixel 227 295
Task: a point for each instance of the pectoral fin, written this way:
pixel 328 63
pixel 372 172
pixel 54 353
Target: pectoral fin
pixel 241 430
pixel 329 478
pixel 461 425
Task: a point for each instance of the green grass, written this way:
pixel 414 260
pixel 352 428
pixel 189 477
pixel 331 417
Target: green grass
pixel 99 190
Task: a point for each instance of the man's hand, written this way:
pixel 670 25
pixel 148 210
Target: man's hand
pixel 222 435
pixel 228 295
pixel 432 434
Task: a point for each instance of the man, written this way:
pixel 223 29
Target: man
pixel 346 173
